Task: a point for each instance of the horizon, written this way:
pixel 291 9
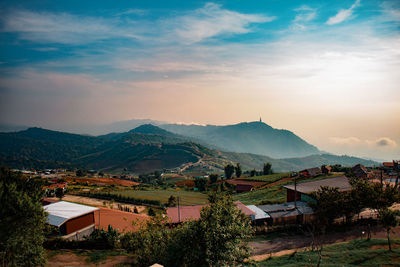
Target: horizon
pixel 327 72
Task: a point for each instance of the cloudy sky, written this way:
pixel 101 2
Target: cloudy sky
pixel 327 70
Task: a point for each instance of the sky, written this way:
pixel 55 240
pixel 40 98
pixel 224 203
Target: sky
pixel 327 70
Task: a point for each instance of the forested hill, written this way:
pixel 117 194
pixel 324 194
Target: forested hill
pixel 143 149
pixel 248 137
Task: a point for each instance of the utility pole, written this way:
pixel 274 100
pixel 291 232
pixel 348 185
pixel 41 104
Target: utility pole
pixel 295 192
pixel 179 211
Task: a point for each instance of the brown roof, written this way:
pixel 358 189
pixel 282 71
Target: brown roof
pixel 193 212
pixel 341 182
pixel 388 164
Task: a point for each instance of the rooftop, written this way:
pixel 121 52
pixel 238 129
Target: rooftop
pixel 259 213
pixel 60 212
pixel 341 182
pixel 286 209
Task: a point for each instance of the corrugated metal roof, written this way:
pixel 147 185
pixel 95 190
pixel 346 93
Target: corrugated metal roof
pixel 259 213
pixel 286 209
pixel 341 182
pixel 60 212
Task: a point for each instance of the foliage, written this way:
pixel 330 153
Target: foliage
pixel 387 218
pixel 151 212
pixel 171 201
pixel 213 178
pixel 121 198
pixel 22 221
pixel 201 184
pixel 109 238
pixel 60 193
pixel 217 239
pixel 80 173
pixel 328 205
pixel 252 173
pixel 229 170
pixel 238 170
pixel 267 168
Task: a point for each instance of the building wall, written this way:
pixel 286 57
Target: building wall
pixel 78 223
pixel 290 195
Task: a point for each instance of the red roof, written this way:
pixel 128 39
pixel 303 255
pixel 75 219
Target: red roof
pixel 193 212
pixel 388 164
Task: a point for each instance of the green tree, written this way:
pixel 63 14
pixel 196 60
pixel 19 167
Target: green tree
pixel 60 193
pixel 238 170
pixel 151 212
pixel 80 173
pixel 267 168
pixel 201 184
pixel 328 205
pixel 253 173
pixel 213 178
pixel 387 218
pixel 171 201
pixel 229 170
pixel 22 221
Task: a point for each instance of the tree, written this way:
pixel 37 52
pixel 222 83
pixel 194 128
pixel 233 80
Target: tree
pixel 171 201
pixel 387 218
pixel 213 178
pixel 328 205
pixel 135 210
pixel 151 212
pixel 267 168
pixel 229 170
pixel 200 184
pixel 80 173
pixel 252 173
pixel 60 193
pixel 22 221
pixel 238 170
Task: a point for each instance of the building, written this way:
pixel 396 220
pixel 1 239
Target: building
pixel 260 217
pixel 186 213
pixel 312 172
pixel 304 190
pixel 360 171
pixel 74 221
pixel 325 169
pixel 289 213
pixel 244 185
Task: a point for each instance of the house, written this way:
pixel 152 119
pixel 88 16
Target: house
pixel 325 169
pixel 312 172
pixel 244 185
pixel 74 221
pixel 186 213
pixel 360 171
pixel 289 213
pixel 304 190
pixel 260 217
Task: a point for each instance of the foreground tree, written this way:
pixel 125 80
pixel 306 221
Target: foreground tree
pixel 219 238
pixel 22 221
pixel 213 178
pixel 328 206
pixel 387 218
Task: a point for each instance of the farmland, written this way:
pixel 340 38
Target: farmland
pixel 353 253
pixel 186 197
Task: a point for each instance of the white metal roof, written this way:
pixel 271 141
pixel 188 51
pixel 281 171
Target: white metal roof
pixel 260 214
pixel 60 212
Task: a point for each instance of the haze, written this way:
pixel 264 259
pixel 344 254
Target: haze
pixel 327 71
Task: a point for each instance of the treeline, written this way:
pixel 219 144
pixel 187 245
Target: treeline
pixel 123 199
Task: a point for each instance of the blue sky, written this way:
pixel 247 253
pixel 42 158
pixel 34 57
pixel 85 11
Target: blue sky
pixel 328 70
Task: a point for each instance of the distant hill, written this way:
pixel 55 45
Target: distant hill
pixel 143 149
pixel 253 137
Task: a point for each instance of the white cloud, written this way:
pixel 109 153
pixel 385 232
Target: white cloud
pixel 64 28
pixel 379 143
pixel 304 15
pixel 390 12
pixel 343 14
pixel 212 20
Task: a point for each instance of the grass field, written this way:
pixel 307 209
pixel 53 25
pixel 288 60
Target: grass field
pixel 268 178
pixel 354 253
pixel 273 194
pixel 186 197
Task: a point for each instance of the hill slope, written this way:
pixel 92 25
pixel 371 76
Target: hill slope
pixel 143 149
pixel 253 137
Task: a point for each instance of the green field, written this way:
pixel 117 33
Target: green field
pixel 355 253
pixel 186 197
pixel 268 178
pixel 273 194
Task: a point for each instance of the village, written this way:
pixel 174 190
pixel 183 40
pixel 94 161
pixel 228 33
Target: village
pixel 76 208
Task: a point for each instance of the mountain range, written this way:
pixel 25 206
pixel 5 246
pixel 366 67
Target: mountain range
pixel 147 148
